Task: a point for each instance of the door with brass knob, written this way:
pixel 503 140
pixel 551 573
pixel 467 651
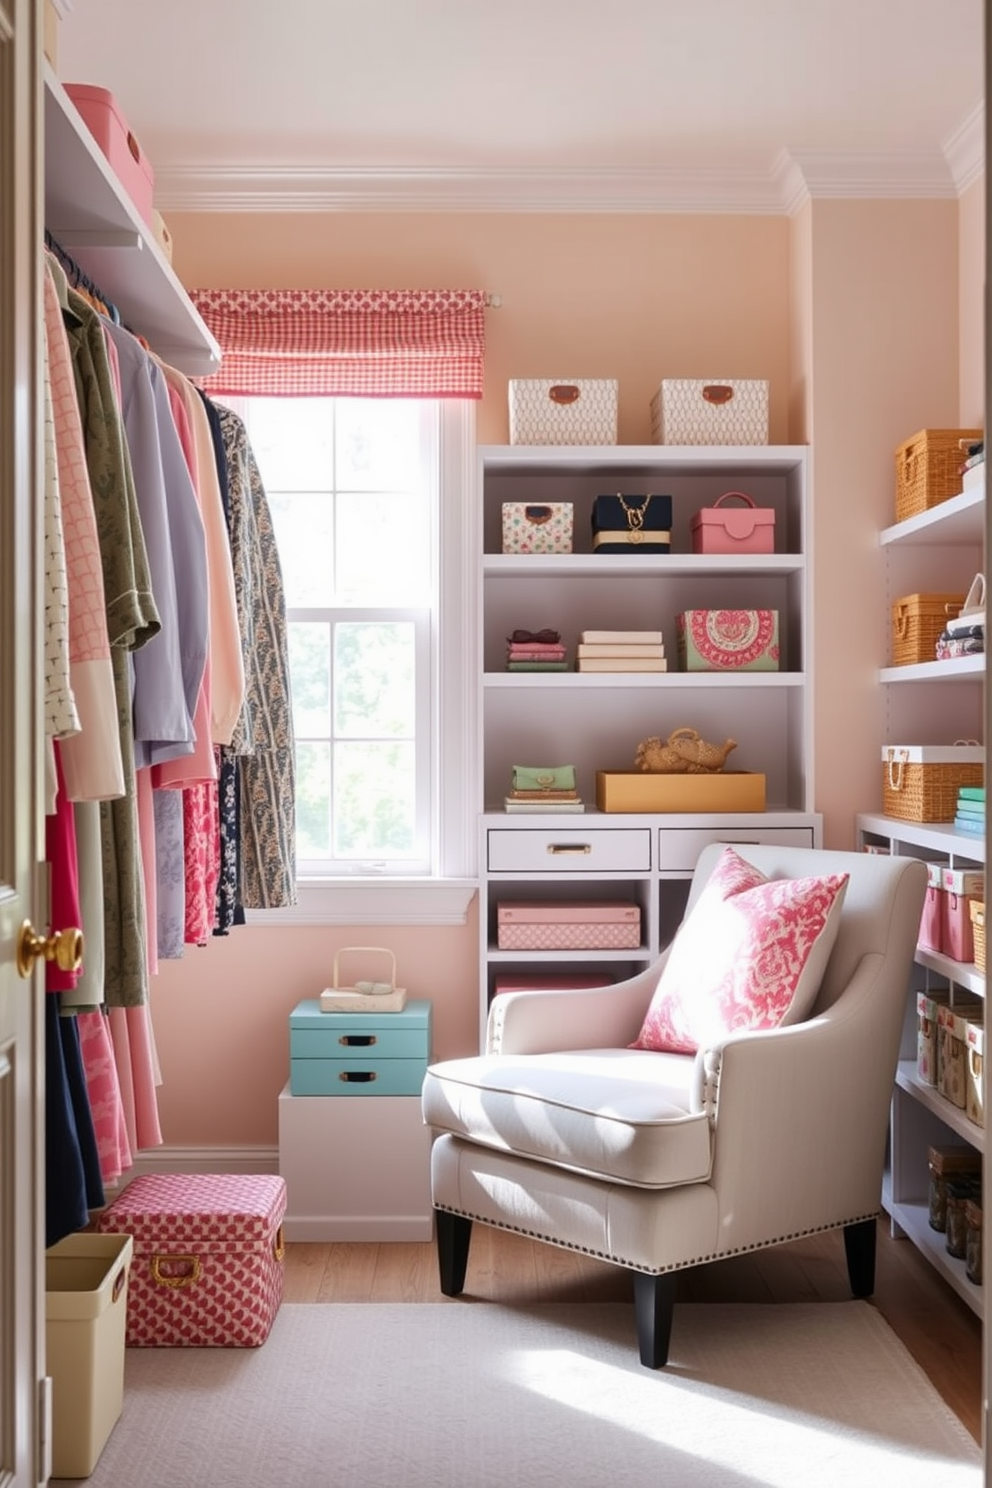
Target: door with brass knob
pixel 24 1458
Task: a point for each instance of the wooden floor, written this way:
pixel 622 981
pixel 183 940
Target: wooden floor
pixel 943 1335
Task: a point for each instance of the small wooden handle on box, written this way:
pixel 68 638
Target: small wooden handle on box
pixel 564 392
pixel 278 1245
pixel 538 515
pixel 715 392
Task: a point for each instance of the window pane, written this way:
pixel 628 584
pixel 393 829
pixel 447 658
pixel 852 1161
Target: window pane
pixel 313 799
pixel 383 550
pixel 304 528
pixel 378 443
pixel 375 796
pixel 293 442
pixel 310 668
pixel 374 688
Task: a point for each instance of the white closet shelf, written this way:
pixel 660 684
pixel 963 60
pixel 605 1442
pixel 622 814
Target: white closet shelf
pixel 91 216
pixel 961 519
pixel 676 565
pixel 953 669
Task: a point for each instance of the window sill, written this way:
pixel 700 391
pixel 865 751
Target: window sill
pixel 391 901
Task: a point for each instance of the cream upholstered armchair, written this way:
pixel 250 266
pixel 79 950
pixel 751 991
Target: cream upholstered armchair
pixel 658 1161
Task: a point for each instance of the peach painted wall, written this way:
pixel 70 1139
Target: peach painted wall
pixel 971 260
pixel 850 311
pixel 884 363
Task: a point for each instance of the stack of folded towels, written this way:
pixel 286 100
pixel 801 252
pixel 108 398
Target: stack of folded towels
pixel 535 651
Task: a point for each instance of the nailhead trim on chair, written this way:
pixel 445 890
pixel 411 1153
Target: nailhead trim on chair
pixel 701 1260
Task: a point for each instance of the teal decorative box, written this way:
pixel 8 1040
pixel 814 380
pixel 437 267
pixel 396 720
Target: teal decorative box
pixel 728 640
pixel 355 1054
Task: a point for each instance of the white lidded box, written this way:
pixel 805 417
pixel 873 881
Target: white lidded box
pixel 563 410
pixel 712 410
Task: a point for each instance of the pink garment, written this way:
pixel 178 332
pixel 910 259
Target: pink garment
pixel 60 850
pixel 103 1087
pixel 130 1030
pixel 201 830
pixel 146 835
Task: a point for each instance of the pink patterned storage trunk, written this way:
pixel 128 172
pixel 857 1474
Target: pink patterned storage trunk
pixel 208 1257
pixel 568 927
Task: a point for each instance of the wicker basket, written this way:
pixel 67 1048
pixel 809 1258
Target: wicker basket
pixel 918 789
pixel 928 469
pixel 976 908
pixel 917 621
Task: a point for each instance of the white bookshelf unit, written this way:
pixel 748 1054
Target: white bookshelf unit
pixel 931 702
pixel 595 721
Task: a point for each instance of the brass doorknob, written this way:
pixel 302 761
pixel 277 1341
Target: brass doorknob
pixel 64 947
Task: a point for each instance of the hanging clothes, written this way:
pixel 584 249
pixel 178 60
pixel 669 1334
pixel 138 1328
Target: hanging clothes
pixel 264 736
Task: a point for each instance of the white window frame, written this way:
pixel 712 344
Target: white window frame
pixel 443 897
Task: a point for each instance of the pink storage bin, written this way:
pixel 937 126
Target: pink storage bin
pixel 102 116
pixel 733 529
pixel 208 1260
pixel 931 936
pixel 589 926
pixel 958 937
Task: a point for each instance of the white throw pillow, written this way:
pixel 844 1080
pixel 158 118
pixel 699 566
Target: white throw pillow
pixel 751 954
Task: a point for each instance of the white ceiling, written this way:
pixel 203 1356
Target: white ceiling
pixel 638 105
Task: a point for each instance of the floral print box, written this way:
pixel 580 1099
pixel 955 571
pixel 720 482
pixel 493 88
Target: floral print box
pixel 208 1257
pixel 728 640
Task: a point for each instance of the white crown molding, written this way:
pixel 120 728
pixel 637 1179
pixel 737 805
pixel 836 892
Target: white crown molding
pixel 965 150
pixel 747 186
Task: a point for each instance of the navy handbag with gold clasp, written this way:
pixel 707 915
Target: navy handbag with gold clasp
pixel 632 524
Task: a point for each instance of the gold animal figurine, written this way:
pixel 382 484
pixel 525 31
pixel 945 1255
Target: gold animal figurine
pixel 684 753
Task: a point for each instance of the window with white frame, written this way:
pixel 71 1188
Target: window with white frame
pixel 369 504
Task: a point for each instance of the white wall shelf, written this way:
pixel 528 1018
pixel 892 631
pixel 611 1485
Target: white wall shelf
pixel 91 216
pixel 931 702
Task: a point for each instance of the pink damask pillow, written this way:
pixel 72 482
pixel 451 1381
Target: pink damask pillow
pixel 750 954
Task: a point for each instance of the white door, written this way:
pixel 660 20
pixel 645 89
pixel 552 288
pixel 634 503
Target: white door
pixel 22 1407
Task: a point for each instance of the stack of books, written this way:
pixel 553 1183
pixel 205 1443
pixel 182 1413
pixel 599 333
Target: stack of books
pixel 970 811
pixel 621 651
pixel 535 651
pixel 561 797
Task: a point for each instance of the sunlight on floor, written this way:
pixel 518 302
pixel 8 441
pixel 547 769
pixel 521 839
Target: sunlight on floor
pixel 774 1445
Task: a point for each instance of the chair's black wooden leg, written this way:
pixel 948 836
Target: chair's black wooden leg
pixel 654 1304
pixel 859 1247
pixel 454 1232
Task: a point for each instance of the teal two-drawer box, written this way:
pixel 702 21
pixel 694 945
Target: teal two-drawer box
pixel 358 1053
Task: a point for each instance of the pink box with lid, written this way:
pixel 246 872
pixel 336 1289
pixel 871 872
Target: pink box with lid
pixel 590 925
pixel 101 113
pixel 208 1257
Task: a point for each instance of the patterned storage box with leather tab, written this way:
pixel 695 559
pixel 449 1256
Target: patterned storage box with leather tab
pixel 208 1257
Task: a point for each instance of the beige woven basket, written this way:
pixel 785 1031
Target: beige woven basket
pixel 925 792
pixel 976 909
pixel 928 469
pixel 917 621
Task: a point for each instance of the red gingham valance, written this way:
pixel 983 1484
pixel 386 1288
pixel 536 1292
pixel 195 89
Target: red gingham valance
pixel 417 343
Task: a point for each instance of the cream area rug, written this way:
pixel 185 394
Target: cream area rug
pixel 472 1394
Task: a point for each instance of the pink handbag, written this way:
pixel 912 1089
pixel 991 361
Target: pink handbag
pixel 732 529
